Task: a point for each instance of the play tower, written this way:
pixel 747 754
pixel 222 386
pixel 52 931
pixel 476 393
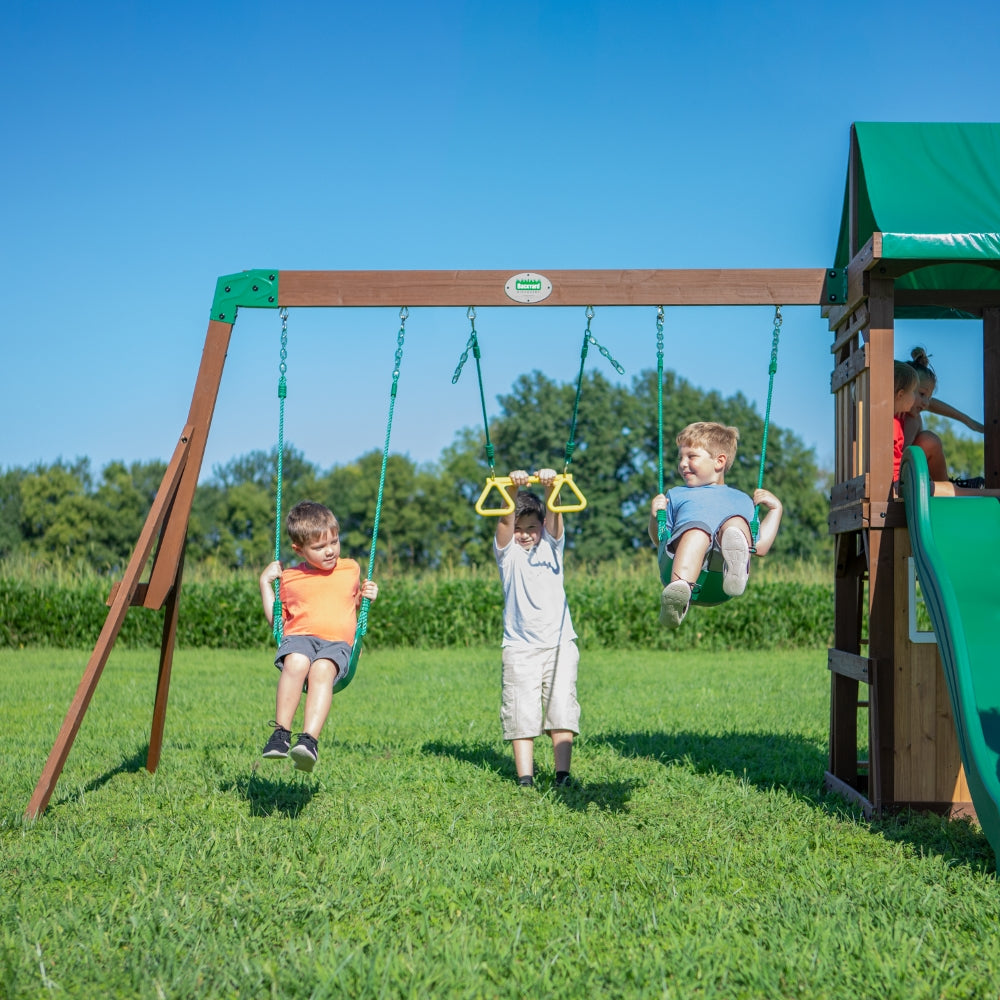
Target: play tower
pixel 919 238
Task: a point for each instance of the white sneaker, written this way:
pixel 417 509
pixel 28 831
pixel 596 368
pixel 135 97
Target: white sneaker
pixel 735 562
pixel 674 603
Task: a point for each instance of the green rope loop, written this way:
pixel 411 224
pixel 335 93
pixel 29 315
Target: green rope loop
pixel 473 345
pixel 772 370
pixel 588 339
pixel 278 626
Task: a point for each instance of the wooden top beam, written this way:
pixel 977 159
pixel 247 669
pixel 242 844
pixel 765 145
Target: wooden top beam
pixel 708 287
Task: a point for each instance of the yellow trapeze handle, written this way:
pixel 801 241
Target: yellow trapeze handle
pixel 498 483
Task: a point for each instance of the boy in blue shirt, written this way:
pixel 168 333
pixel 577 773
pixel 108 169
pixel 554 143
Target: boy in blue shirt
pixel 705 518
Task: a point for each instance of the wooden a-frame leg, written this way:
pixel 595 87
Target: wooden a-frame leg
pixel 112 626
pixel 167 643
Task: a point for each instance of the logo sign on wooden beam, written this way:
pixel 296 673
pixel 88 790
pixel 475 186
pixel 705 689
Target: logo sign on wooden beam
pixel 528 287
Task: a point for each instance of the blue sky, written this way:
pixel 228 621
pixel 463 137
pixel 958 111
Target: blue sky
pixel 150 148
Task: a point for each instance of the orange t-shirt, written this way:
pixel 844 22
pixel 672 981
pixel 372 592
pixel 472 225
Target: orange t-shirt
pixel 319 603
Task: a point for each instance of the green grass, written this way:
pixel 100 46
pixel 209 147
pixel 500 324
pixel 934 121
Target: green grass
pixel 698 858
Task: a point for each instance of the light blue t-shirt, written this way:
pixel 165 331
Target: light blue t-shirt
pixel 535 610
pixel 705 507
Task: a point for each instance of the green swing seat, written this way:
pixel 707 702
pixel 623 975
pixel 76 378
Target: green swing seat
pixel 708 590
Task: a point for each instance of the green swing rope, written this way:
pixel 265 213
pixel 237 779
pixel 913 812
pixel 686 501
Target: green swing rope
pixel 661 515
pixel 772 370
pixel 362 629
pixel 473 345
pixel 588 339
pixel 278 627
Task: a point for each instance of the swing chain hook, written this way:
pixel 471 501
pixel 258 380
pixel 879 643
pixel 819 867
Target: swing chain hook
pixel 283 354
pixel 589 338
pixel 403 314
pixel 773 367
pixel 471 345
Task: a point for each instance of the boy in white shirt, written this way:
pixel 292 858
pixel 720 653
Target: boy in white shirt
pixel 540 655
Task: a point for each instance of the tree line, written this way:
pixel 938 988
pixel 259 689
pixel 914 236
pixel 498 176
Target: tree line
pixel 68 512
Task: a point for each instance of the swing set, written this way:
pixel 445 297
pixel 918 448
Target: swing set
pixel 162 538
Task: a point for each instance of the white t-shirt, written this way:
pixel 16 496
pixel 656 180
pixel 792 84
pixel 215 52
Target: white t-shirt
pixel 535 611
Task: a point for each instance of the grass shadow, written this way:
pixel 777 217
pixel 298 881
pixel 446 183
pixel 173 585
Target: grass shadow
pixel 789 762
pixel 954 840
pixel 270 796
pixel 765 759
pixel 132 764
pixel 610 796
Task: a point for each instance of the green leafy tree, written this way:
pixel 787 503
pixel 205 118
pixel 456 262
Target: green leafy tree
pixel 65 516
pixel 408 525
pixel 10 511
pixel 233 515
pixel 123 499
pixel 58 516
pixel 464 538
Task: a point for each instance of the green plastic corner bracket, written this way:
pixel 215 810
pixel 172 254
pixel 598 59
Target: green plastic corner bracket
pixel 253 289
pixel 835 286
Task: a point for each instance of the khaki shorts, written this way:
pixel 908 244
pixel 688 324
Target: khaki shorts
pixel 539 691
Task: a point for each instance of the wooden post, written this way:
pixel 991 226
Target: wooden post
pixel 167 642
pixel 206 392
pixel 881 602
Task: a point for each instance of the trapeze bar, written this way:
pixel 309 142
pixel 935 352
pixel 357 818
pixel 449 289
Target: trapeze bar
pixel 707 287
pixel 498 484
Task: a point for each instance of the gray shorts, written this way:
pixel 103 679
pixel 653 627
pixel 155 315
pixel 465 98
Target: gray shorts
pixel 539 691
pixel 315 649
pixel 668 548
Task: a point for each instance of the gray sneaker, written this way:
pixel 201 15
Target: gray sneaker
pixel 304 753
pixel 735 562
pixel 674 603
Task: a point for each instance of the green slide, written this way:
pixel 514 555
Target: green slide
pixel 956 545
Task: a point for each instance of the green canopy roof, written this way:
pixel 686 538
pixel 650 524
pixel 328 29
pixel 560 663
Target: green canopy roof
pixel 933 191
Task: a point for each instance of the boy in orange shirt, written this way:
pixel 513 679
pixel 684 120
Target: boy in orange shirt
pixel 319 606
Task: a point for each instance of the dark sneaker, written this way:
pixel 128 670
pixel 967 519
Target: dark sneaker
pixel 674 603
pixel 304 753
pixel 735 562
pixel 277 746
pixel 978 483
pixel 565 780
pixel 526 781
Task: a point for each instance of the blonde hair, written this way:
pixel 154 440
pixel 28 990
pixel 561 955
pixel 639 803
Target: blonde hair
pixel 904 376
pixel 307 520
pixel 716 439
